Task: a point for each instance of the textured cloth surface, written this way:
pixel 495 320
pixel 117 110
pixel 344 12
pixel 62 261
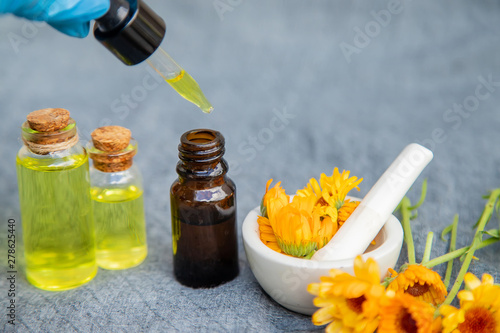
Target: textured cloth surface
pixel 299 88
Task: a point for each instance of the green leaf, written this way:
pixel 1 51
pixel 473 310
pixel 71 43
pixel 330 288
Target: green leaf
pixel 493 233
pixel 497 208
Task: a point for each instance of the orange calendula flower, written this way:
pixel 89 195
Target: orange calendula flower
pixel 420 282
pixel 437 325
pixel 349 303
pixel 402 313
pixel 299 229
pixel 331 190
pixel 276 194
pixel 346 210
pixel 274 199
pixel 267 234
pixel 479 308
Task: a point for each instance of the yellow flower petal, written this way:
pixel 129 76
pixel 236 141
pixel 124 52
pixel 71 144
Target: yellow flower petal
pixel 466 295
pixel 323 316
pixel 479 308
pixel 487 279
pixel 471 281
pixel 352 302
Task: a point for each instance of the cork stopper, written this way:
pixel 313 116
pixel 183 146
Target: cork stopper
pixel 49 130
pixel 48 120
pixel 113 148
pixel 111 138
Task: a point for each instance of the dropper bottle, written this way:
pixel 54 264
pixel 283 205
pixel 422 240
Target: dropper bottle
pixel 132 31
pixel 203 210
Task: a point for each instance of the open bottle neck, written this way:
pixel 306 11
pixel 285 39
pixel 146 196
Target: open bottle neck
pixel 201 155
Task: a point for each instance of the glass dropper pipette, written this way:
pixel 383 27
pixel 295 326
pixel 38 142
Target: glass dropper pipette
pixel 178 79
pixel 132 31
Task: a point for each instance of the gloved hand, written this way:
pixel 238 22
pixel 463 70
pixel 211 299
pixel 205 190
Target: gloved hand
pixel 71 17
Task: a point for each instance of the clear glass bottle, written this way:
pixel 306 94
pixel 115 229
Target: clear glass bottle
pixel 203 210
pixel 54 197
pixel 117 199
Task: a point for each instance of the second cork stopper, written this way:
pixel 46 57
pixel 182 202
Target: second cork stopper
pixel 113 148
pixel 111 138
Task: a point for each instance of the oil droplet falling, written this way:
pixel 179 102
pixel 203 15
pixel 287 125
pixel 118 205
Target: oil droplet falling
pixel 188 88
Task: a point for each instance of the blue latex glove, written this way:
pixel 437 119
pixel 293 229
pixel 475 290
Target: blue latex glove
pixel 71 17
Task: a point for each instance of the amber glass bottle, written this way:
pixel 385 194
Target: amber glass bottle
pixel 203 209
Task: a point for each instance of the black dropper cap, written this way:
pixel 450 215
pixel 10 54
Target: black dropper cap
pixel 131 30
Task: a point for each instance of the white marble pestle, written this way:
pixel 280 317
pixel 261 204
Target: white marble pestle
pixel 369 217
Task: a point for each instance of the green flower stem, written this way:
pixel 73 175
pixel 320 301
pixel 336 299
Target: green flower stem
pixel 428 247
pixel 405 217
pixel 485 217
pixel 388 281
pixel 422 196
pixel 453 246
pixel 458 253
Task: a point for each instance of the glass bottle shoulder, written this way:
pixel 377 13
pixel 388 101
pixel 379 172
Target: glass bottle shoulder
pixel 203 190
pixel 55 161
pixel 116 186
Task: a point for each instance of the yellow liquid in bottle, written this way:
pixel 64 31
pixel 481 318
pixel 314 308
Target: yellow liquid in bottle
pixel 58 230
pixel 188 88
pixel 120 227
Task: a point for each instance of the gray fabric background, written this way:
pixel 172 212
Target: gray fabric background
pixel 254 61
